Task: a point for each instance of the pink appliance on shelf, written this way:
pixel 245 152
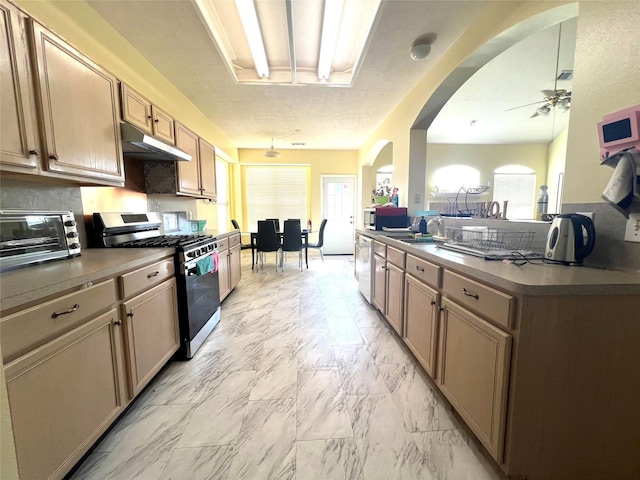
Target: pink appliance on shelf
pixel 619 131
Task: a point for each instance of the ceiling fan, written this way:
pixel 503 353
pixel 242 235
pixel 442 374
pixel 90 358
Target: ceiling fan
pixel 560 98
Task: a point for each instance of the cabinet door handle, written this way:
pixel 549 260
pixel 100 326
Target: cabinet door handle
pixel 130 314
pixel 117 323
pixel 433 302
pixel 157 121
pixel 71 310
pixel 441 309
pixel 154 274
pixel 420 269
pixel 468 294
pixel 149 117
pixel 53 156
pixel 33 152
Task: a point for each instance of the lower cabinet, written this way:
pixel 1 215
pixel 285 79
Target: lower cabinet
pixel 379 294
pixel 229 264
pixel 64 395
pixel 474 363
pixel 151 329
pixel 395 298
pixel 421 322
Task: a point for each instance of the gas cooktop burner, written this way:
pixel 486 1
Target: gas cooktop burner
pixel 182 241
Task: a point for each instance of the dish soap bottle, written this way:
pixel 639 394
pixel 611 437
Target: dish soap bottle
pixel 423 226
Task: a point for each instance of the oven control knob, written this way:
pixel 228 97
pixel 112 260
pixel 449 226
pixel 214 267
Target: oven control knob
pixel 191 254
pixel 70 223
pixel 72 234
pixel 74 246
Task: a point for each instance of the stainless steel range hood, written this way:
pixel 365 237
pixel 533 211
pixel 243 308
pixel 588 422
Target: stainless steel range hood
pixel 137 144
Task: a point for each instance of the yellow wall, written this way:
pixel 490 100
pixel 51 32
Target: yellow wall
pixel 486 158
pixel 555 167
pixel 322 162
pixel 606 79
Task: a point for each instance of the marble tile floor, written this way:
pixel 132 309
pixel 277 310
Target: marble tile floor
pixel 301 379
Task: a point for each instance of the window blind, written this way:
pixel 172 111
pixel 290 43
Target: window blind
pixel 275 192
pixel 519 190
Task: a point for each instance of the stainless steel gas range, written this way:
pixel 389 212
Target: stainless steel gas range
pixel 198 290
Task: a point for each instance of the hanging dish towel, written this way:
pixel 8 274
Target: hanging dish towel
pixel 623 185
pixel 204 265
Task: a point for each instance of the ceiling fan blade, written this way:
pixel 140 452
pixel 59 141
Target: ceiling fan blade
pixel 536 114
pixel 527 105
pixel 549 93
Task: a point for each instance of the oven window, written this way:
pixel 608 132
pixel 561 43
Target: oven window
pixel 31 236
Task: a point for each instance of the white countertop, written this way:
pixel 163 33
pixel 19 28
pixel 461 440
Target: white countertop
pixel 535 278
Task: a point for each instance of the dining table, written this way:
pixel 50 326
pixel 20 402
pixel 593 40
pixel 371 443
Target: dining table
pixel 305 244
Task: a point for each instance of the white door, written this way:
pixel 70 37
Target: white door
pixel 338 205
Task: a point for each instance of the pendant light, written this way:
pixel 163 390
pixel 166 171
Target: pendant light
pixel 273 153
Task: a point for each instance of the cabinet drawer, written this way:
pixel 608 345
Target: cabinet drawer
pixel 395 256
pixel 234 240
pixel 380 249
pixel 145 277
pixel 424 271
pixel 482 299
pixel 223 244
pixel 35 326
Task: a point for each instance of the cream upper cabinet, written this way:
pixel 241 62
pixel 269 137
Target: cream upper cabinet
pixel 18 142
pixel 207 159
pixel 474 373
pixel 188 172
pixel 139 111
pixel 421 322
pixel 78 102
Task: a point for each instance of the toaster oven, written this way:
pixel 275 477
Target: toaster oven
pixel 28 237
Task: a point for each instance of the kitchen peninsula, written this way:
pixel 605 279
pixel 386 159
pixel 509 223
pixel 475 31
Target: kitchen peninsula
pixel 537 359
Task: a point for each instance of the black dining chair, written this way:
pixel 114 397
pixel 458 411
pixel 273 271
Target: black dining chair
pixel 276 222
pixel 291 241
pixel 267 240
pixel 243 246
pixel 320 241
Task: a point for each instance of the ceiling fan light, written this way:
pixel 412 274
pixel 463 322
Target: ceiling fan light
pixel 271 153
pixel 544 110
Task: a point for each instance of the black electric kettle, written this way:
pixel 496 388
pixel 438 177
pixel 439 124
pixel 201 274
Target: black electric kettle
pixel 571 238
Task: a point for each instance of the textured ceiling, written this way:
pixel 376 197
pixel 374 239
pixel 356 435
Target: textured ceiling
pixel 172 37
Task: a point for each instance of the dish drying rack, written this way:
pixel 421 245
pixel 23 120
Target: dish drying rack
pixel 489 239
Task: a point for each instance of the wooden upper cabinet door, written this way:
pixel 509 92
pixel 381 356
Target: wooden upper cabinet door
pixel 163 127
pixel 136 109
pixel 18 145
pixel 208 170
pixel 188 172
pixel 79 106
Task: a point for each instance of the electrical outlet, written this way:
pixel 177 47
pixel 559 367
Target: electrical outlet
pixel 591 215
pixel 416 198
pixel 632 232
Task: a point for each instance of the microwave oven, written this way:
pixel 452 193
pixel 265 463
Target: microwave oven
pixel 28 237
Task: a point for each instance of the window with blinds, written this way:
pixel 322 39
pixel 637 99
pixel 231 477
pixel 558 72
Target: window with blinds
pixel 275 192
pixel 519 190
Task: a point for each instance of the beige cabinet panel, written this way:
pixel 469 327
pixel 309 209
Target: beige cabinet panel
pixel 146 277
pixel 163 125
pixel 188 172
pixel 395 296
pixel 136 109
pixel 18 142
pixel 79 106
pixel 235 265
pixel 380 283
pixel 32 327
pixel 474 371
pixel 421 322
pixel 151 321
pixel 224 274
pixel 64 395
pixel 207 170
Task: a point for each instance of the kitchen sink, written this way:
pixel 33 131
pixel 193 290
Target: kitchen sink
pixel 406 239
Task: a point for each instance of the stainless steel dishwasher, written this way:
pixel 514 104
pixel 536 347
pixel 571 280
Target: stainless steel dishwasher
pixel 364 265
